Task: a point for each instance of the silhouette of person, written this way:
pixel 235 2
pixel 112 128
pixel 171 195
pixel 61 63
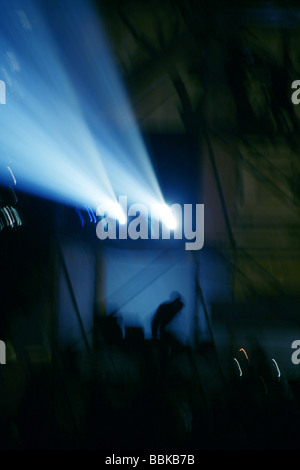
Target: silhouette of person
pixel 165 313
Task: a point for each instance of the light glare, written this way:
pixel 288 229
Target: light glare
pixel 167 217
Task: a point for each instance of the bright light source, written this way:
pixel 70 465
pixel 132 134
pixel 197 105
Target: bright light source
pixel 78 140
pixel 121 216
pixel 168 217
pixel 116 211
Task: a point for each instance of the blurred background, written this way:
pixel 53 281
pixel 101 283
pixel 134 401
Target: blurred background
pixel 209 86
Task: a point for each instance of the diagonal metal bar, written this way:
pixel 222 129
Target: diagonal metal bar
pixel 140 281
pixel 228 225
pixel 74 301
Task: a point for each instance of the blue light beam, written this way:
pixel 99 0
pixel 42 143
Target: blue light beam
pixel 67 129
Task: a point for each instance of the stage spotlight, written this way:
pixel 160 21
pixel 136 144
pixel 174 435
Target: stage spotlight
pixel 121 217
pixel 168 217
pixel 114 210
pixel 78 141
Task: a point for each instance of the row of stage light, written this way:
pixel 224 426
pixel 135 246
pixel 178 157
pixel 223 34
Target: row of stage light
pixel 68 132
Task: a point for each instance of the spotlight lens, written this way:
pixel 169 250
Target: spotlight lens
pixel 168 217
pixel 121 217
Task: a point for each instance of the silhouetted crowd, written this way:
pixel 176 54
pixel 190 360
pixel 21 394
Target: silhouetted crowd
pixel 134 393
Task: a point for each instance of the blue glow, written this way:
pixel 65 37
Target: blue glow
pixel 80 217
pixel 68 132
